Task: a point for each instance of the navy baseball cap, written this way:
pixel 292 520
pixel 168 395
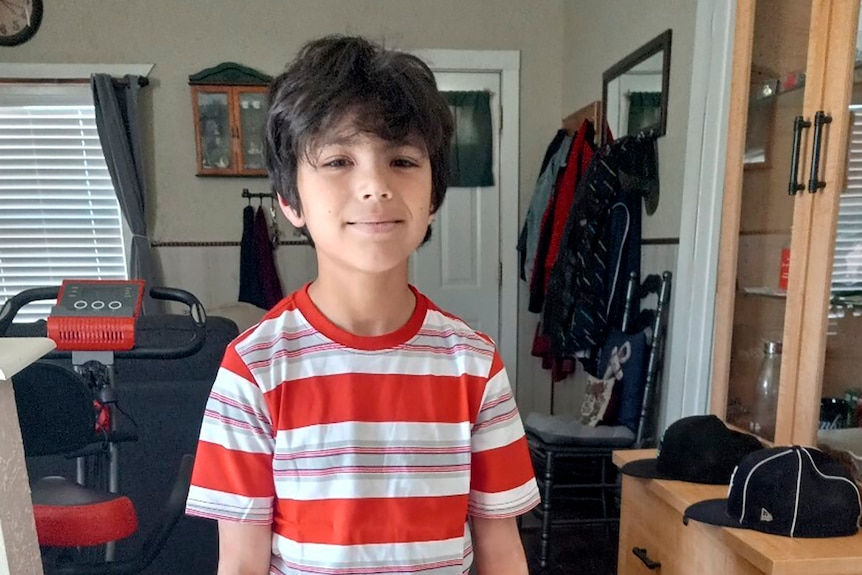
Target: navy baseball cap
pixel 791 491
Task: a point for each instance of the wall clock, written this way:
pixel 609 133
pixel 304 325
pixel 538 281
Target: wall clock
pixel 19 20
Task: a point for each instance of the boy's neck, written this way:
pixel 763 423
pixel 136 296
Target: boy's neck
pixel 362 304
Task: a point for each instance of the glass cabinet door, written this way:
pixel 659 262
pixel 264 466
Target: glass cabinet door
pixel 842 375
pixel 835 271
pixel 252 116
pixel 772 175
pixel 215 135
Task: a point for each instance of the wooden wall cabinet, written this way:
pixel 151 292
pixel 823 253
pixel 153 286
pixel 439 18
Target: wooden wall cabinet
pixel 229 102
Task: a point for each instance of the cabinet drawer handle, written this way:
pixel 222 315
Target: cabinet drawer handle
pixel 641 554
pixel 814 182
pixel 799 123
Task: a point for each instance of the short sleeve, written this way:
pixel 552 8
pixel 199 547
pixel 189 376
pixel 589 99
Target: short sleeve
pixel 232 478
pixel 502 482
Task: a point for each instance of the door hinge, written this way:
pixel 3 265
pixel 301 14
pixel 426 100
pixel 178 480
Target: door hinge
pixel 500 275
pixel 501 119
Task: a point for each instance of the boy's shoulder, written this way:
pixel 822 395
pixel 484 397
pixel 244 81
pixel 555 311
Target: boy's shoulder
pixel 285 315
pixel 450 324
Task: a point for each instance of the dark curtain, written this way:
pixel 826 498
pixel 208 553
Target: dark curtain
pixel 250 288
pixel 644 111
pixel 270 284
pixel 472 151
pixel 118 123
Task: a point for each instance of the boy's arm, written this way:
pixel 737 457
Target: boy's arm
pixel 497 547
pixel 232 481
pixel 502 483
pixel 244 549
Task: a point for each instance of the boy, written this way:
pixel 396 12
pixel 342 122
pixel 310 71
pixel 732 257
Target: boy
pixel 357 428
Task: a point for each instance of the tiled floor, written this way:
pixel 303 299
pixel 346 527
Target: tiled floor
pixel 582 550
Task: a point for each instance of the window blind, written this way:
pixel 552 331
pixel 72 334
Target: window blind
pixel 847 269
pixel 59 215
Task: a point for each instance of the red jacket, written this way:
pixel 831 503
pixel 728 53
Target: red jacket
pixel 559 207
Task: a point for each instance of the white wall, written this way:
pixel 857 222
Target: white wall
pixel 182 38
pixel 598 34
pixel 565 46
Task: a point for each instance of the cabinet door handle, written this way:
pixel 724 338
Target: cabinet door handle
pixel 814 183
pixel 641 554
pixel 799 123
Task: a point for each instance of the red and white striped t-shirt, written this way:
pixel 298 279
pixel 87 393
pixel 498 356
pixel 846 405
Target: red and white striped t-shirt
pixel 365 454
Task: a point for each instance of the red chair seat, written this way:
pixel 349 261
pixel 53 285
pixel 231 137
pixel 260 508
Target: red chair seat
pixel 69 515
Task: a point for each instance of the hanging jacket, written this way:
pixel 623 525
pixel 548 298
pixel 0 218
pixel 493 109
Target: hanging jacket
pixel 528 242
pixel 250 288
pixel 600 244
pixel 268 273
pixel 638 173
pixel 557 213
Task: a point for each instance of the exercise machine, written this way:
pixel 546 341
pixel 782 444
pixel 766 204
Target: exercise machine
pixel 75 412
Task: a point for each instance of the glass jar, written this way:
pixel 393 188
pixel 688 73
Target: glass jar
pixel 765 405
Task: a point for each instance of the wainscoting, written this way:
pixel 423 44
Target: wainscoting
pixel 211 272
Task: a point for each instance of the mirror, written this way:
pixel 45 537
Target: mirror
pixel 635 91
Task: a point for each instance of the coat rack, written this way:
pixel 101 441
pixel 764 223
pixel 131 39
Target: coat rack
pixel 249 195
pixel 591 112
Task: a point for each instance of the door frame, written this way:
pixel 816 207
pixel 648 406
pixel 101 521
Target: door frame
pixel 507 63
pixel 690 374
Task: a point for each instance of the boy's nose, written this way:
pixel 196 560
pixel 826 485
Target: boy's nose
pixel 375 186
pixel 377 192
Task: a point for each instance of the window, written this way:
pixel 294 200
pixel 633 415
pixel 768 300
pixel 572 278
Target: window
pixel 59 215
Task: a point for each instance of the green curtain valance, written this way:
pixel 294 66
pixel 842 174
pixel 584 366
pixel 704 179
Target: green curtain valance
pixel 644 111
pixel 472 151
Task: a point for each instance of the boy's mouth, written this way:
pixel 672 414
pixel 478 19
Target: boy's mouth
pixel 375 226
pixel 373 222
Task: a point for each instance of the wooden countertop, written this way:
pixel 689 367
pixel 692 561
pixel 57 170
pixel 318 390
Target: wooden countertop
pixel 772 554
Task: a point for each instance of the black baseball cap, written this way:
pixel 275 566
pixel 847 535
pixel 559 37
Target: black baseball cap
pixel 790 491
pixel 698 449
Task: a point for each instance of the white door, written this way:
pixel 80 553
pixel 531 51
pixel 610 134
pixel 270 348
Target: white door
pixel 459 268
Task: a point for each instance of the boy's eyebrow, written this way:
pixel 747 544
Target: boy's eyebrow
pixel 344 139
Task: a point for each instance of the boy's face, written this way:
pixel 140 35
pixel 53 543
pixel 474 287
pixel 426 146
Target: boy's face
pixel 366 201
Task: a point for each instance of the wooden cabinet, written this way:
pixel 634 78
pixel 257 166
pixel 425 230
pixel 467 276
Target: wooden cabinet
pixel 229 103
pixel 651 521
pixel 791 131
pixel 791 60
pixel 649 544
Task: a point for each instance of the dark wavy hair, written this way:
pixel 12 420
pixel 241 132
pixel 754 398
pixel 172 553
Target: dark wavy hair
pixel 386 93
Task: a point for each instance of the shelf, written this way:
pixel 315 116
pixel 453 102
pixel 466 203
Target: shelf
pixel 792 81
pixel 765 292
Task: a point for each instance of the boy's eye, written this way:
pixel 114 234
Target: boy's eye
pixel 336 163
pixel 404 163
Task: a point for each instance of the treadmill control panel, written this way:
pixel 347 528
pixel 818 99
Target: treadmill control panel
pixel 96 315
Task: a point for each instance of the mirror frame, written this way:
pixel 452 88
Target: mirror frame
pixel 660 43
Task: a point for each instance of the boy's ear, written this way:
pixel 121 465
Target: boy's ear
pixel 292 215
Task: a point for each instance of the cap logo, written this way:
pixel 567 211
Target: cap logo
pixel 765 515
